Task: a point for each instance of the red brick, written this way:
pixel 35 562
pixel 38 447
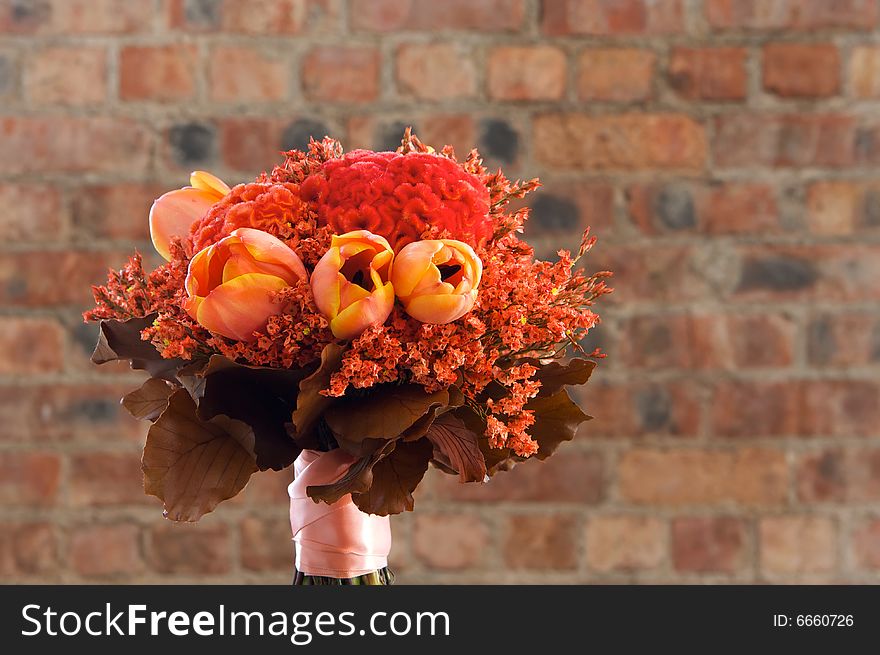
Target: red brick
pixel 103 551
pixel 843 339
pixel 436 71
pixel 612 17
pixel 867 144
pixel 541 542
pixel 708 341
pixel 10 76
pixel 30 346
pixel 864 71
pixel 866 544
pixel 42 206
pixel 250 144
pixel 239 74
pixel 257 17
pixel 709 73
pixel 795 70
pixel 624 141
pixel 75 17
pixel 73 76
pixel 847 273
pixel 640 408
pixel 796 15
pixel 709 545
pixel 745 208
pixel 118 211
pixel 29 478
pixel 563 208
pixel 162 73
pixel 24 283
pixel 104 479
pixel 615 74
pixel 567 477
pixel 747 140
pixel 450 541
pixel 341 74
pixel 837 475
pixel 793 545
pixel 58 144
pixel 840 207
pixel 267 16
pixel 748 476
pixel 651 274
pixel 841 408
pixel 729 208
pixel 457 130
pixel 266 544
pixel 187 549
pixel 527 73
pixel 755 409
pixel 626 543
pixel 393 15
pixel 61 412
pixel 27 549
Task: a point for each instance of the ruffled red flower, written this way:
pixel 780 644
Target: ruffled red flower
pixel 275 208
pixel 400 196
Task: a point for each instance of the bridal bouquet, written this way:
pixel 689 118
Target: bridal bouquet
pixel 362 315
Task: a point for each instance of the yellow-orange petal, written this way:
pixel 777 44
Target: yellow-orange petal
pixel 173 213
pixel 240 307
pixel 272 251
pixel 326 283
pixel 440 308
pixel 364 313
pixel 207 182
pixel 412 264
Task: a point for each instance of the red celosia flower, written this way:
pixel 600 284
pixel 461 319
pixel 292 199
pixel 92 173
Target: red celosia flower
pixel 399 196
pixel 272 208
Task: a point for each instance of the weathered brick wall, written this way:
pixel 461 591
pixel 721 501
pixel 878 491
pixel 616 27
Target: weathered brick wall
pixel 725 152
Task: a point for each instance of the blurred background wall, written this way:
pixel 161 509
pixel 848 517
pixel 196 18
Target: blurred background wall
pixel 725 152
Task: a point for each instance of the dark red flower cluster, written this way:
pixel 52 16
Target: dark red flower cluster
pixel 399 196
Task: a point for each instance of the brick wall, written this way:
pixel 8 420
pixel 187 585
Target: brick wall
pixel 725 151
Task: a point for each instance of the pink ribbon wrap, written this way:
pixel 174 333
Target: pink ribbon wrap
pixel 338 540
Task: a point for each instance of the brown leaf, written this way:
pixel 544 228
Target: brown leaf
pixel 395 477
pixel 190 376
pixel 557 418
pixel 554 376
pixel 122 340
pixel 458 448
pixel 310 404
pixel 149 401
pixel 192 465
pixel 261 397
pixel 387 412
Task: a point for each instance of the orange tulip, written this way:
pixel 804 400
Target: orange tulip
pixel 437 280
pixel 232 282
pixel 350 283
pixel 173 213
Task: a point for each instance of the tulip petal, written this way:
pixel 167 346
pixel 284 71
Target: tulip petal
pixel 439 309
pixel 326 283
pixel 211 183
pixel 280 258
pixel 240 307
pixel 173 213
pixel 357 317
pixel 412 264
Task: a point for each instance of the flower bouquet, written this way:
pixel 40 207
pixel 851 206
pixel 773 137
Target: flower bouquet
pixel 360 316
